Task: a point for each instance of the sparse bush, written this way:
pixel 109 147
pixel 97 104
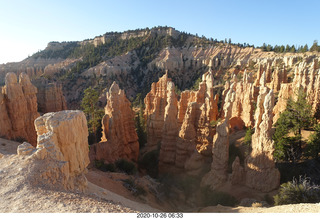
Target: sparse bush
pixel 212 198
pixel 149 162
pixel 99 164
pixel 188 184
pixel 214 123
pixel 134 188
pixel 126 166
pixel 294 192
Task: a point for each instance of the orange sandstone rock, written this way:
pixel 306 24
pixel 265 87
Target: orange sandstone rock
pixel 61 156
pixel 260 171
pixel 119 137
pixel 21 106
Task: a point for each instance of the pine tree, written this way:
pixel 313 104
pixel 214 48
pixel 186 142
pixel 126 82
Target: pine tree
pixel 90 107
pixel 305 48
pixel 141 128
pixel 313 146
pixel 297 116
pixel 314 46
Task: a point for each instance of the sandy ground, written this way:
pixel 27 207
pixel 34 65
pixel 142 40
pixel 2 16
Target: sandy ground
pixel 105 193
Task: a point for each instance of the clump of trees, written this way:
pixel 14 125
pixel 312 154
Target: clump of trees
pixel 293 49
pixel 288 139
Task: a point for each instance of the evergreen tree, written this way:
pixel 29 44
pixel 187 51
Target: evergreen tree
pixel 313 146
pixel 287 48
pixel 297 116
pixel 269 48
pixel 293 49
pixel 264 47
pixel 315 47
pixel 305 48
pixel 141 128
pixel 94 114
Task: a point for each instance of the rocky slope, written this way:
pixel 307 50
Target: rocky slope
pixel 136 59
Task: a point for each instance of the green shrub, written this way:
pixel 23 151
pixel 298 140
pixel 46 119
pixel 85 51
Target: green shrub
pixel 213 198
pixel 294 192
pixel 149 162
pixel 126 166
pixel 214 123
pixel 99 164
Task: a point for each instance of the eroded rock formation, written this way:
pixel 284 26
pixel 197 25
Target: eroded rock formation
pixel 181 128
pixel 260 171
pixel 243 107
pixel 220 149
pixel 18 108
pixel 156 102
pixel 119 137
pixel 307 79
pixel 61 156
pixel 50 97
pixel 170 129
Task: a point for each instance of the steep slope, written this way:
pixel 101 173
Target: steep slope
pixel 137 58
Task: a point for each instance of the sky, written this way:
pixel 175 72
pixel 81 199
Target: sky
pixel 27 26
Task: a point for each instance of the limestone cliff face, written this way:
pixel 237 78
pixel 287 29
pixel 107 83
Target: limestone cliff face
pixel 19 108
pixel 119 137
pixel 50 97
pixel 61 156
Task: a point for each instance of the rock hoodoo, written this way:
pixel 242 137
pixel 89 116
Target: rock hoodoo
pixel 170 129
pixel 242 110
pixel 61 156
pixel 119 137
pixel 260 171
pixel 156 102
pixel 50 97
pixel 18 107
pixel 307 79
pixel 181 128
pixel 220 150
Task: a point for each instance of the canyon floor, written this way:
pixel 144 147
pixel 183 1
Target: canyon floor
pixel 105 193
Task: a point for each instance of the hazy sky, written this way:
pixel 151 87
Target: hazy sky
pixel 27 26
